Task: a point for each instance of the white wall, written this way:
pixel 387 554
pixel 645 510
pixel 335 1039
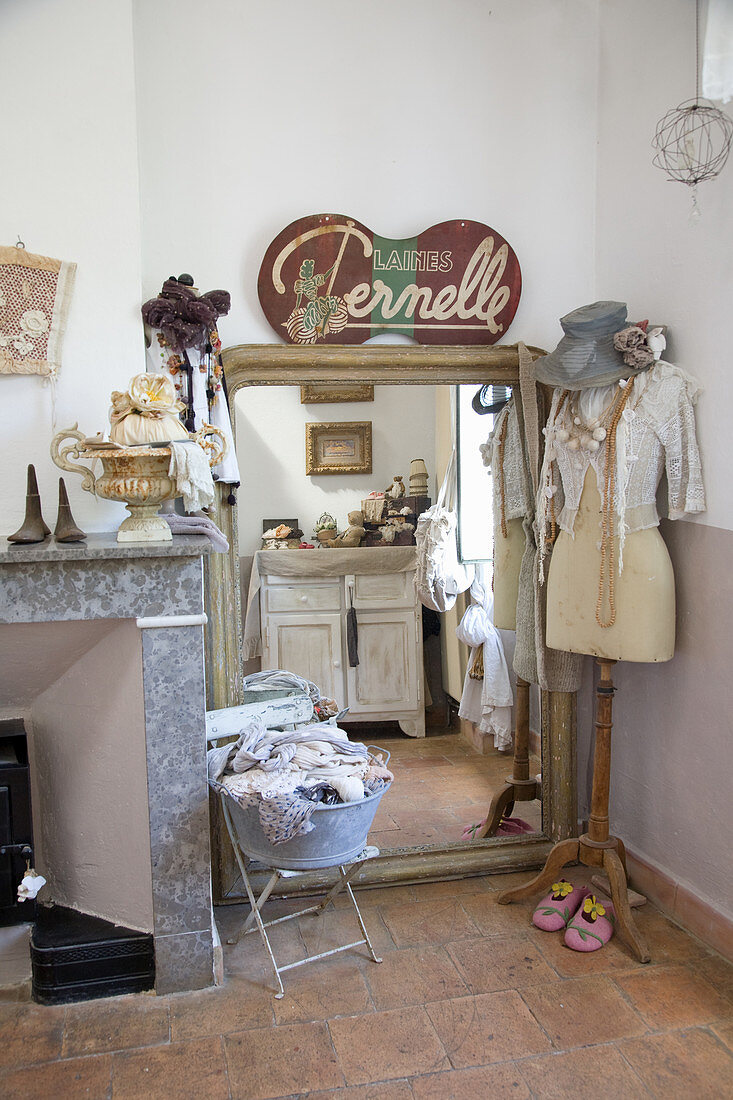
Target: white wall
pixel 650 253
pixel 70 189
pixel 271 446
pixel 401 115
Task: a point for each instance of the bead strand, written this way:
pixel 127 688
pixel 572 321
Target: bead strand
pixel 551 476
pixel 502 444
pixel 607 570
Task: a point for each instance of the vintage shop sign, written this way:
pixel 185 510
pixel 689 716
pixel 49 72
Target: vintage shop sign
pixel 329 279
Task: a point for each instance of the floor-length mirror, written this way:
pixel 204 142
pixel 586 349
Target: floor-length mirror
pixel 416 690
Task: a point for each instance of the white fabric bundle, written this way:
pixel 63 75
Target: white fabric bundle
pixel 488 702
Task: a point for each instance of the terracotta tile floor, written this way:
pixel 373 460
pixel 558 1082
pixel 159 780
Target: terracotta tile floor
pixel 441 785
pixel 470 1001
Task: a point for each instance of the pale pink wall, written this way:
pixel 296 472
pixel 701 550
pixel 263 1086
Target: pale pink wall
pixel 90 808
pixel 672 763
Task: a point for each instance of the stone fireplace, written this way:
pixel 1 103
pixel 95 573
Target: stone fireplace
pixel 101 652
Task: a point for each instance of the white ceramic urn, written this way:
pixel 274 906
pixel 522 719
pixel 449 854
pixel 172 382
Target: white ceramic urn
pixel 135 476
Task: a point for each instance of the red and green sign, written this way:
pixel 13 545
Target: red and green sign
pixel 328 279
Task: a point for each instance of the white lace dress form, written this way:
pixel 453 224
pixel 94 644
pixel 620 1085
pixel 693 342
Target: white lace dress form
pixel 655 435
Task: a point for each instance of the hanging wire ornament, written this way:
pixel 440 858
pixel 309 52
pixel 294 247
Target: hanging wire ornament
pixel 693 140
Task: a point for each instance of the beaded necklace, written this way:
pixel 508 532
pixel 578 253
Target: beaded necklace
pixel 588 437
pixel 502 444
pixel 606 579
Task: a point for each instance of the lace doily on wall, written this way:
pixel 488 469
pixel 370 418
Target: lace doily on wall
pixel 35 292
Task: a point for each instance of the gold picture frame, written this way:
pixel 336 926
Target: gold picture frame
pixel 338 448
pixel 314 393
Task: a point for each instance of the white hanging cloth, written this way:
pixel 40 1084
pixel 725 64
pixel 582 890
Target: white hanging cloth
pixel 487 702
pixel 717 63
pixel 161 360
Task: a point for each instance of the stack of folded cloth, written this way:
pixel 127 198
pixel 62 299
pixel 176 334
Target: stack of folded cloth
pixel 287 772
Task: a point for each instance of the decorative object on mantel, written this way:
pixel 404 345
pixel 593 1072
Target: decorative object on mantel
pixel 35 293
pixel 66 529
pixel 373 507
pixel 328 278
pixel 353 534
pixel 147 412
pixel 140 477
pixel 34 528
pixel 184 346
pixel 316 393
pixel 344 448
pixel 281 534
pixel 418 478
pixel 396 489
pixel 693 140
pixel 392 522
pixel 325 529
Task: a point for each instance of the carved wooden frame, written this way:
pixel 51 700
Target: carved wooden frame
pixel 316 462
pixel 383 364
pixel 311 394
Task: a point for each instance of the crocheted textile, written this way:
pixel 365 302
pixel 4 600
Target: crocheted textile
pixel 35 292
pixel 518 501
pixel 189 469
pixel 656 434
pixel 551 669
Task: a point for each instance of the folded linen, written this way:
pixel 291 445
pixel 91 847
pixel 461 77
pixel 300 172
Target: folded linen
pixel 189 468
pixel 269 768
pixel 198 525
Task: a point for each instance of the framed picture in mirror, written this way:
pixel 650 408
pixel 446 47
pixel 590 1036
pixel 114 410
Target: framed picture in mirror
pixel 344 448
pixel 315 393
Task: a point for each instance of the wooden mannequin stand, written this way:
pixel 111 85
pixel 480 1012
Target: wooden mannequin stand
pixel 596 848
pixel 518 787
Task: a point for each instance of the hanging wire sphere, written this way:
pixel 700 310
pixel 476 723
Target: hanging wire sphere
pixel 693 142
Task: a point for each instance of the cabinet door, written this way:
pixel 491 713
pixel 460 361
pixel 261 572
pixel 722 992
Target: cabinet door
pixel 308 645
pixel 386 677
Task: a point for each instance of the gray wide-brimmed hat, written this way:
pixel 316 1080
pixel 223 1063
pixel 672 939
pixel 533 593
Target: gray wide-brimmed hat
pixel 586 356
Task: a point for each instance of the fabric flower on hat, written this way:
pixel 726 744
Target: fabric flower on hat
pixel 630 337
pixel 632 342
pixel 639 357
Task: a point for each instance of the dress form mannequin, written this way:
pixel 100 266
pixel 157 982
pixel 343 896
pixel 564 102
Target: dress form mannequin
pixel 610 585
pixel 644 625
pixel 507 563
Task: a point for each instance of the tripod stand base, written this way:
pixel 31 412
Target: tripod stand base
pixel 502 804
pixel 611 856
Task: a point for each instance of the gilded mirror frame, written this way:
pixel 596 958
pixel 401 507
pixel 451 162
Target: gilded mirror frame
pixel 390 364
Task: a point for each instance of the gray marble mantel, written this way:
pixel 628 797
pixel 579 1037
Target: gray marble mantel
pixel 102 579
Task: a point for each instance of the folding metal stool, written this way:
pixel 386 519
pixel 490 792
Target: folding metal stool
pixel 255 923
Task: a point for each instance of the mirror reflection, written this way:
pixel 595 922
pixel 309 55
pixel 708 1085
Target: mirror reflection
pixel 328 563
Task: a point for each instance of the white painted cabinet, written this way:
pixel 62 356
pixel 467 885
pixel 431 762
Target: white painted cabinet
pixel 303 622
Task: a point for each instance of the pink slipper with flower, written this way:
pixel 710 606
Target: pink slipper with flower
pixel 592 926
pixel 555 910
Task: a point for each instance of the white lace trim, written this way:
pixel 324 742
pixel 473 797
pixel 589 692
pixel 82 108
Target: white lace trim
pixel 656 434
